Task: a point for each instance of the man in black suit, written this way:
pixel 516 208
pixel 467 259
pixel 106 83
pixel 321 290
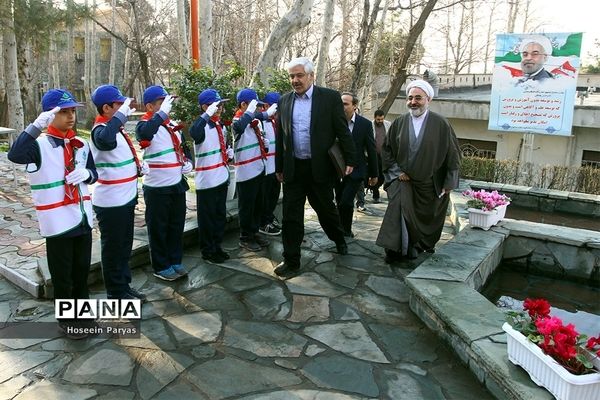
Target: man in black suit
pixel 364 141
pixel 310 119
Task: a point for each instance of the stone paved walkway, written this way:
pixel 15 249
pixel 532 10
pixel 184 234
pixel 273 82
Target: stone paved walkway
pixel 340 330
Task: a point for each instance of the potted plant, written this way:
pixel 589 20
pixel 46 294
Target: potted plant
pixel 555 356
pixel 485 208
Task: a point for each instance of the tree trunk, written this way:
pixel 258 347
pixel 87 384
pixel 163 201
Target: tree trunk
pixel 411 40
pixel 138 46
pixel 113 45
pixel 295 19
pixel 323 58
pixel 344 46
pixel 366 29
pixel 53 60
pixel 15 113
pixel 513 12
pixel 184 44
pixel 87 71
pixel 28 96
pixel 374 50
pixel 206 33
pixel 489 36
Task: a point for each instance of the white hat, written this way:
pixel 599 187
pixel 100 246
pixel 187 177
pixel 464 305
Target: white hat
pixel 421 84
pixel 539 39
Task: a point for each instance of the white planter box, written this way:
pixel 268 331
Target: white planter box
pixel 546 372
pixel 486 219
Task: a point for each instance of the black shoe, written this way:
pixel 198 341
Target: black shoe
pixel 349 234
pixel 342 248
pixel 262 242
pixel 376 200
pixel 224 255
pixel 250 245
pixel 137 294
pixel 214 258
pixel 392 256
pixel 285 268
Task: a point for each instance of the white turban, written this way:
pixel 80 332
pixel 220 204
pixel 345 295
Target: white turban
pixel 539 39
pixel 421 84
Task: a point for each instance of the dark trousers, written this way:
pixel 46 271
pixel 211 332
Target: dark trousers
pixel 116 240
pixel 69 264
pixel 320 197
pixel 212 216
pixel 375 188
pixel 271 190
pixel 345 191
pixel 250 206
pixel 165 219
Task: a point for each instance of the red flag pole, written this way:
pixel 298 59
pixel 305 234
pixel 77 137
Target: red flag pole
pixel 194 37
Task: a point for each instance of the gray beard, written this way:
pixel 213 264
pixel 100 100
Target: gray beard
pixel 417 112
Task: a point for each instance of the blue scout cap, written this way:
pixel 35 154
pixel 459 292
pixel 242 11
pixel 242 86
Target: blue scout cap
pixel 209 96
pixel 247 95
pixel 153 93
pixel 271 98
pixel 107 94
pixel 58 98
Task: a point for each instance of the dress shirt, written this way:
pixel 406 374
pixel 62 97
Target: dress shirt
pixel 418 122
pixel 301 115
pixel 351 123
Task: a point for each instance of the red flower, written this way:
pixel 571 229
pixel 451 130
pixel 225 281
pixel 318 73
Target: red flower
pixel 537 308
pixel 592 343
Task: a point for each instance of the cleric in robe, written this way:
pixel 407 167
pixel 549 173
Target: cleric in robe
pixel 421 161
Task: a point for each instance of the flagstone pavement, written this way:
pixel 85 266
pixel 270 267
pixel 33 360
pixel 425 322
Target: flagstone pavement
pixel 342 329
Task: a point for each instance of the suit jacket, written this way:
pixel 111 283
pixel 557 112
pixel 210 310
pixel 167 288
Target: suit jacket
pixel 328 123
pixel 364 141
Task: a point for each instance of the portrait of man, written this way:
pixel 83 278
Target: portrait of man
pixel 534 54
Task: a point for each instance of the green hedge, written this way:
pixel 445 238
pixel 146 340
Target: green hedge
pixel 571 179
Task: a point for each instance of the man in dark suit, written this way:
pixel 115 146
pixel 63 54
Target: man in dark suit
pixel 310 119
pixel 364 141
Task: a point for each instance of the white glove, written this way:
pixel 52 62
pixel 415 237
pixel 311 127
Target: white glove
pixel 272 110
pixel 166 104
pixel 187 168
pixel 45 118
pixel 77 176
pixel 230 153
pixel 267 142
pixel 144 168
pixel 252 107
pixel 124 109
pixel 212 109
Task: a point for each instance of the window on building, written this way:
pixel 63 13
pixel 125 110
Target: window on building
pixel 79 45
pixel 104 49
pixel 590 159
pixel 477 148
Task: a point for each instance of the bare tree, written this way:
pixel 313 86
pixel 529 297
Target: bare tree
pixel 296 18
pixel 401 72
pixel 113 43
pixel 206 33
pixel 374 50
pixel 326 28
pixel 184 54
pixel 366 29
pixel 15 113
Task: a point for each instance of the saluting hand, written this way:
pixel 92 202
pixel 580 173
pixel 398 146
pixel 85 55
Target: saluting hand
pixel 167 104
pixel 45 118
pixel 124 109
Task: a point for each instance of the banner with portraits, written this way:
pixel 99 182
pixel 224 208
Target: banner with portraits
pixel 534 83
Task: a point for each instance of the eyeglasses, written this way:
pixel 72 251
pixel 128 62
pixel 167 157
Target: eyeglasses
pixel 532 54
pixel 416 98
